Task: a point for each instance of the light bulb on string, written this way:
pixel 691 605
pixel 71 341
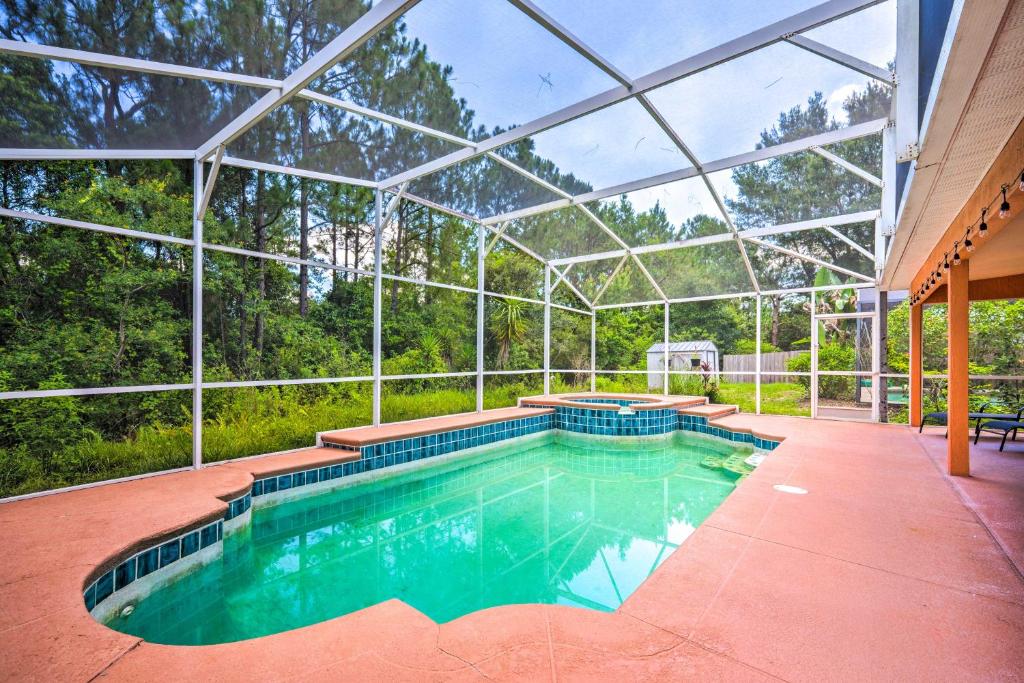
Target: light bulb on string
pixel 1004 208
pixel 983 226
pixel 968 244
pixel 956 258
pixel 1021 186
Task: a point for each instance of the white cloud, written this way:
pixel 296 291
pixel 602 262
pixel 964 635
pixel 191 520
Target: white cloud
pixel 836 99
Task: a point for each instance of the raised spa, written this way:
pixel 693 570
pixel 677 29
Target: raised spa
pixel 552 518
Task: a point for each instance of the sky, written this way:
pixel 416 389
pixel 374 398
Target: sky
pixel 510 71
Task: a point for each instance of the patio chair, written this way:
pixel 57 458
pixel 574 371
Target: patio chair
pixel 1004 427
pixel 942 417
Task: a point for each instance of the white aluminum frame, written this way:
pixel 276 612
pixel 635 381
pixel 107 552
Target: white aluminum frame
pixel 854 132
pixel 874 373
pixel 732 49
pixel 898 136
pixel 351 39
pixel 907 69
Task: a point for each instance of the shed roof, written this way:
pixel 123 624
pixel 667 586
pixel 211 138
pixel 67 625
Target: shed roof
pixel 700 345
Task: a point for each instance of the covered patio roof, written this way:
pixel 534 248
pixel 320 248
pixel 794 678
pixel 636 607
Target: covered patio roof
pixel 959 238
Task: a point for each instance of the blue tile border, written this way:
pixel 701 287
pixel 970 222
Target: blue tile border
pixel 699 424
pixel 401 451
pixel 580 420
pixel 162 555
pixel 238 506
pixel 610 401
pixel 613 423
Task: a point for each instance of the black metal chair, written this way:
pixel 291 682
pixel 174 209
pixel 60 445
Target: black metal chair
pixel 942 418
pixel 1001 426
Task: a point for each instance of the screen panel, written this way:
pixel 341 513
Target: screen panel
pixel 48 443
pixel 90 309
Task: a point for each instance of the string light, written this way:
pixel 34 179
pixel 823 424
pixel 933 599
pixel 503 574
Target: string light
pixel 967 243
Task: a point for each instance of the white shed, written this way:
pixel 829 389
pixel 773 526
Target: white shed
pixel 682 356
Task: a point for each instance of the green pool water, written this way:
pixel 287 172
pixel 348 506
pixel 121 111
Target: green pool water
pixel 553 519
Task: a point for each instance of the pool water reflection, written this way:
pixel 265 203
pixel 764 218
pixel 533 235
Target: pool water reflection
pixel 556 519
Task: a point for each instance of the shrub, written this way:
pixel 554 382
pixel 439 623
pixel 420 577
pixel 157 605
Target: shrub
pixel 831 356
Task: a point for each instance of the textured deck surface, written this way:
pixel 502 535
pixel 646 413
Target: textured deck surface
pixel 881 571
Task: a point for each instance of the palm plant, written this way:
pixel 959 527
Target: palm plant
pixel 507 326
pixel 832 301
pixel 430 344
pixel 447 341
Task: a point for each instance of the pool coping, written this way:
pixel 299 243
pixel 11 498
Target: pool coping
pixel 358 437
pixel 675 617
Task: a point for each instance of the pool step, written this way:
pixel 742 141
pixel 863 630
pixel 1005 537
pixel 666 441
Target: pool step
pixel 710 410
pixel 734 465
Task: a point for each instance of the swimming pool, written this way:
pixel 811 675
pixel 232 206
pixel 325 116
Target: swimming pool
pixel 555 518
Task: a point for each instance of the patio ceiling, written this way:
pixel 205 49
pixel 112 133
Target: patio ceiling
pixel 679 152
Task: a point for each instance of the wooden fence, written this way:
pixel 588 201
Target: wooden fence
pixel 747 362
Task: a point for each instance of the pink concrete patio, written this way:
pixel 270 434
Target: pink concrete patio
pixel 885 570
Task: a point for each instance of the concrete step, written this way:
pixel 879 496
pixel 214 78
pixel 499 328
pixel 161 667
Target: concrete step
pixel 710 410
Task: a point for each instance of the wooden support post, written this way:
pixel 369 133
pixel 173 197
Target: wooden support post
pixel 916 362
pixel 882 353
pixel 959 442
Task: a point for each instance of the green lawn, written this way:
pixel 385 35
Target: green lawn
pixel 776 399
